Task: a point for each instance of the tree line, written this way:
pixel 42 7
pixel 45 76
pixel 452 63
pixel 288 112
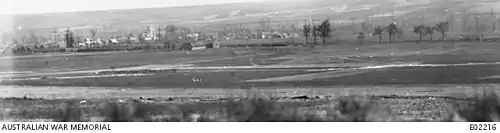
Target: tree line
pixel 168 34
pixel 427 30
pixel 324 29
pixel 392 30
pixel 316 31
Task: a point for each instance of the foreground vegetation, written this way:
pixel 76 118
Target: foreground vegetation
pixel 482 107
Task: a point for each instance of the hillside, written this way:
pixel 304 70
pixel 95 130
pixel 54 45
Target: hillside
pixel 213 17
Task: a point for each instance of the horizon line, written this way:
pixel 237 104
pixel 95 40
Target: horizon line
pixel 121 9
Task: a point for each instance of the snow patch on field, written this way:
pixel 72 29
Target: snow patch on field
pixel 335 72
pixel 81 77
pixel 491 77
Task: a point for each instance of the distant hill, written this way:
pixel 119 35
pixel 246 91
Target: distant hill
pixel 213 17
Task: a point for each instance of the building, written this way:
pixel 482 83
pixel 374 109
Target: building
pixel 81 45
pixel 150 34
pixel 198 45
pixel 113 41
pixel 216 44
pixel 213 44
pixel 89 42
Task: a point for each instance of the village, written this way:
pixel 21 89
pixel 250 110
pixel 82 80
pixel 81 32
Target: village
pixel 152 38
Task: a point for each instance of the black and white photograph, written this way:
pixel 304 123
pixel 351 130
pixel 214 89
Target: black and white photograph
pixel 249 61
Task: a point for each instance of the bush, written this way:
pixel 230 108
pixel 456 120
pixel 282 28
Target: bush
pixel 483 107
pixel 125 112
pixel 68 112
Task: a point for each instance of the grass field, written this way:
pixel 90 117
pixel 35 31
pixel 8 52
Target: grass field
pixel 430 54
pixel 104 61
pixel 298 94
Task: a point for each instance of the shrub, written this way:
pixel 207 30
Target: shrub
pixel 68 112
pixel 483 107
pixel 125 112
pixel 360 109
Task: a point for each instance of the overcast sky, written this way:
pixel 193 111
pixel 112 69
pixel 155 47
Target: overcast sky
pixel 52 6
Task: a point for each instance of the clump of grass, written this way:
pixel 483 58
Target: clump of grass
pixel 349 109
pixel 254 110
pixel 250 109
pixel 125 112
pixel 483 107
pixel 68 112
pixel 108 111
pixel 360 109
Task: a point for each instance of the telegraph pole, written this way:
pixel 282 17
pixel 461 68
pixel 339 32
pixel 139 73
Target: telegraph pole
pixel 479 30
pixel 494 20
pixel 452 20
pixel 465 19
pixel 353 20
pixel 55 35
pixel 393 16
pixel 476 18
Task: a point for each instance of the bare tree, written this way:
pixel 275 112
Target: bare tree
pixel 391 31
pixel 353 20
pixel 429 31
pixel 364 27
pixel 158 34
pixel 54 32
pixel 442 27
pixel 378 31
pixel 33 39
pixel 420 31
pixel 315 32
pixel 465 24
pixel 186 30
pixel 166 29
pixel 140 38
pixel 263 22
pixel 93 32
pixel 306 29
pixel 129 38
pixel 3 37
pixel 158 37
pixel 170 31
pixel 24 40
pixel 70 40
pixel 399 33
pixel 325 30
pixel 480 29
pixel 361 37
pixel 293 27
